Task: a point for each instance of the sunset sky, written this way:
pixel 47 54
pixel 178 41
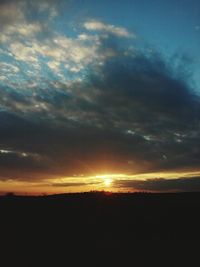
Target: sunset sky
pixel 99 95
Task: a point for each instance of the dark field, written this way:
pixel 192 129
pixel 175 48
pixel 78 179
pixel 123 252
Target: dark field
pixel 92 224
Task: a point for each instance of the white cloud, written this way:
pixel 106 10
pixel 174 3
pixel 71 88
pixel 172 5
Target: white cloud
pixel 89 38
pixel 22 52
pixel 8 68
pixel 20 153
pixel 56 50
pixel 73 52
pixel 75 69
pixel 94 25
pixel 58 53
pixel 3 78
pixel 24 29
pixel 54 65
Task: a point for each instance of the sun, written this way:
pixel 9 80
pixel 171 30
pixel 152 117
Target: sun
pixel 107 179
pixel 107 182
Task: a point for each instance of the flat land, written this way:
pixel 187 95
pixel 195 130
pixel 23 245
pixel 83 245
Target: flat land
pixel 98 222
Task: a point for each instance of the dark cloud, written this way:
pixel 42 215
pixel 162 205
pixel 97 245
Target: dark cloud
pixel 162 185
pixel 133 114
pixel 68 184
pixel 74 184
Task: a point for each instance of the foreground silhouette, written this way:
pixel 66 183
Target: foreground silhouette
pixel 96 222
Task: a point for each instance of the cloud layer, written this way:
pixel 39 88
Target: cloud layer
pixel 84 102
pixel 191 184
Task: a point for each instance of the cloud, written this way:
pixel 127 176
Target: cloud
pixel 68 184
pixel 26 18
pixel 24 29
pixel 8 68
pixel 86 103
pixel 17 153
pixel 32 42
pixel 162 185
pixel 59 52
pixel 74 184
pixel 10 12
pixel 95 25
pixel 129 115
pixel 23 52
pixel 16 11
pixel 54 65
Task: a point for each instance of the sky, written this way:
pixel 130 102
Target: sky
pixel 99 95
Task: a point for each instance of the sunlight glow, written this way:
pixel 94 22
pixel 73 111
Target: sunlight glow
pixel 105 176
pixel 107 182
pixel 86 183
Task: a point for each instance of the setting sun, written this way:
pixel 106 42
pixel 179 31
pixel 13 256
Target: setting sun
pixel 107 182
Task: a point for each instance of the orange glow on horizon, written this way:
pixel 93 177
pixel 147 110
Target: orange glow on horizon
pixel 104 182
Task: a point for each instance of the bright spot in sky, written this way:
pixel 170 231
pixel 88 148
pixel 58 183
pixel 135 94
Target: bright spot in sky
pixel 107 182
pixel 108 178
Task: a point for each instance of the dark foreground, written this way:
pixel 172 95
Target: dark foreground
pixel 95 224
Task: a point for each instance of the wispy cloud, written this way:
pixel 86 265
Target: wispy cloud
pixel 95 25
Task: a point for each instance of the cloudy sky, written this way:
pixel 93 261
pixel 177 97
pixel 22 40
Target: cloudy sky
pixel 99 95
